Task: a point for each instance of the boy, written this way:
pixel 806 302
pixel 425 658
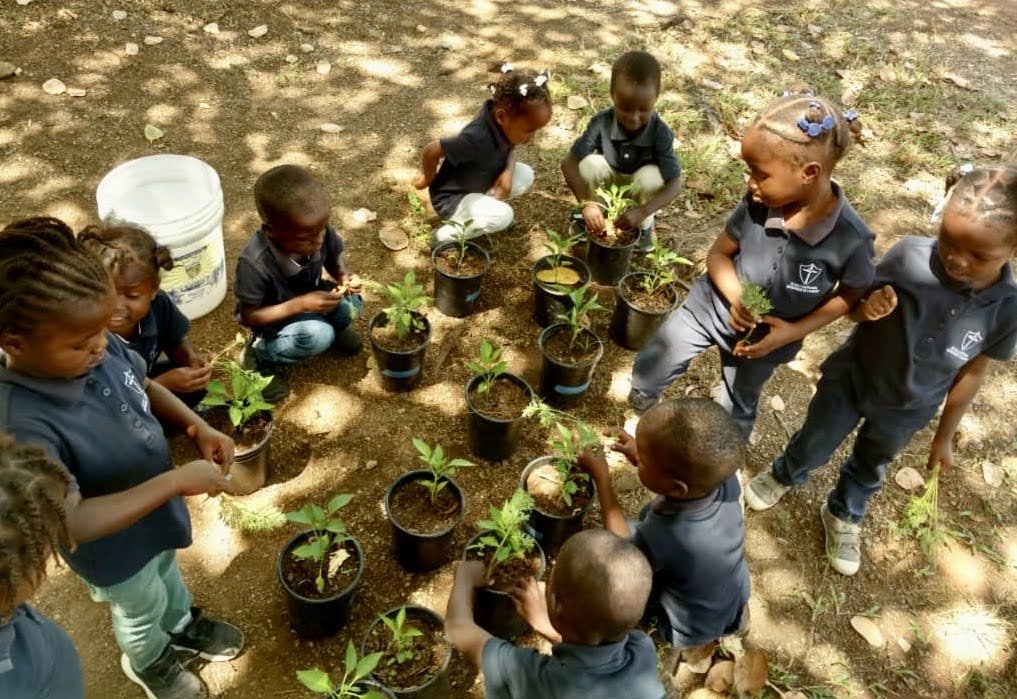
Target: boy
pixel 627 143
pixel 293 312
pixel 595 596
pixel 687 451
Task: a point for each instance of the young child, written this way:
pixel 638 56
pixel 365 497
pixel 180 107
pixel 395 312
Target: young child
pixel 627 144
pixel 37 659
pixel 940 309
pixel 145 316
pixel 73 388
pixel 295 313
pixel 478 170
pixel 795 235
pixel 687 451
pixel 595 596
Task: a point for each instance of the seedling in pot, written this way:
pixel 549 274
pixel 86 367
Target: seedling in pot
pixel 615 199
pixel 328 533
pixel 566 446
pixel 504 533
pixel 404 637
pixel 461 236
pixel 488 365
pixel 407 298
pixel 661 270
pixel 242 398
pixel 559 274
pixel 756 302
pixel 349 687
pixel 442 468
pixel 583 303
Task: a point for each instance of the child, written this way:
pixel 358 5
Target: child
pixel 478 166
pixel 687 451
pixel 595 596
pixel 37 659
pixel 795 235
pixel 293 312
pixel 940 309
pixel 627 144
pixel 74 389
pixel 145 316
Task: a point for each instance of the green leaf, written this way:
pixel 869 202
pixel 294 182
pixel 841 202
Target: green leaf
pixel 302 516
pixel 316 680
pixel 338 502
pixel 236 415
pixel 366 665
pixel 211 401
pixel 351 659
pixel 460 463
pixel 336 527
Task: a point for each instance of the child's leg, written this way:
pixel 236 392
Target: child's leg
pixel 743 381
pixel 522 180
pixel 346 339
pixel 305 336
pixel 666 357
pixel 489 215
pixel 595 171
pixel 648 181
pixel 178 598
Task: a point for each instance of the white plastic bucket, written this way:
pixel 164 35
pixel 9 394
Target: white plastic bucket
pixel 178 199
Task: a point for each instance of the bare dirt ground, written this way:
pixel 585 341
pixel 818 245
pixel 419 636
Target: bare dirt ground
pixel 933 81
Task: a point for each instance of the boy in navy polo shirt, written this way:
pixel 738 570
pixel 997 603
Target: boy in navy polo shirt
pixel 939 311
pixel 627 143
pixel 596 594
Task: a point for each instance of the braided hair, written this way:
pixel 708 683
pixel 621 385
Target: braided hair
pixel 43 270
pixel 816 128
pixel 119 246
pixel 988 194
pixel 515 88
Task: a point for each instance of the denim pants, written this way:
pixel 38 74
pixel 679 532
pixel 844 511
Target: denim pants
pixel 835 410
pixel 306 335
pixel 146 607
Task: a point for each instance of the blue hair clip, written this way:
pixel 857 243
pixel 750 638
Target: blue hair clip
pixel 815 129
pixel 850 115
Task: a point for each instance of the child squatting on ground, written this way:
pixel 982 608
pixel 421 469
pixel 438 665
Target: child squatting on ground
pixel 937 311
pixel 627 143
pixel 80 393
pixel 293 312
pixel 479 171
pixel 595 596
pixel 795 235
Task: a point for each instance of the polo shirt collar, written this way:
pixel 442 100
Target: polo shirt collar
pixel 66 390
pixel 603 659
pixel 8 634
pixel 643 138
pixel 669 506
pixel 288 265
pixel 814 233
pixel 488 115
pixel 147 328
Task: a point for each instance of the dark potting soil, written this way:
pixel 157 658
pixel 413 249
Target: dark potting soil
pixel 429 653
pixel 505 400
pixel 387 337
pixel 612 237
pixel 560 348
pixel 544 486
pixel 301 574
pixel 247 436
pixel 515 570
pixel 469 265
pixel 413 510
pixel 637 295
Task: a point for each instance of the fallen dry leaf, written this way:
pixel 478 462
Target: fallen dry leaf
pixel 909 479
pixel 336 560
pixel 393 237
pixel 576 102
pixel 777 403
pixel 329 127
pixel 211 28
pixel 258 32
pixel 720 678
pixel 153 133
pixel 959 81
pixel 992 474
pixel 152 40
pixel 904 644
pixel 54 86
pixel 119 15
pixel 790 55
pixel 868 630
pixel 750 673
pixel 559 275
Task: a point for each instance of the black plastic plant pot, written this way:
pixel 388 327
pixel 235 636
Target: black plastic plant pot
pixel 379 688
pixel 492 438
pixel 457 296
pixel 400 370
pixel 494 611
pixel 250 468
pixel 607 263
pixel 422 552
pixel 550 301
pixel 561 381
pixel 438 686
pixel 553 530
pixel 316 618
pixel 631 326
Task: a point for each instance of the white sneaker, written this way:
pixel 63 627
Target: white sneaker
pixel 764 491
pixel 843 542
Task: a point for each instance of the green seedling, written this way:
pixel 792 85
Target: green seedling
pixel 660 273
pixel 242 398
pixel 756 302
pixel 349 687
pixel 488 365
pixel 504 532
pixel 614 200
pixel 559 275
pixel 921 517
pixel 583 303
pixel 442 468
pixel 461 235
pixel 328 533
pixel 406 298
pixel 403 637
pixel 566 445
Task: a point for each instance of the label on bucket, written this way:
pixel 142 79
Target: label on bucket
pixel 571 390
pixel 393 374
pixel 470 298
pixel 197 282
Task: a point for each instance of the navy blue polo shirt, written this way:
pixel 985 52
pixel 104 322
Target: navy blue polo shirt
pixel 163 328
pixel 696 549
pixel 910 358
pixel 474 159
pixel 101 428
pixel 626 668
pixel 37 658
pixel 652 145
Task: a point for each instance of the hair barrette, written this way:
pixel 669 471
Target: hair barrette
pixel 814 129
pixel 965 169
pixel 540 79
pixel 850 115
pixel 523 89
pixel 506 67
pixel 492 88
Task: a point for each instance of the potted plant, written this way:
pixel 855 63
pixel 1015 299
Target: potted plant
pixel 423 527
pixel 511 555
pixel 570 350
pixel 645 299
pixel 496 400
pixel 354 683
pixel 610 250
pixel 400 333
pixel 319 569
pixel 755 301
pixel 458 267
pixel 414 653
pixel 554 276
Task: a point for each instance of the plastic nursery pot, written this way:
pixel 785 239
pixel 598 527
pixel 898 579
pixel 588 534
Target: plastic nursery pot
pixel 400 369
pixel 553 530
pixel 559 379
pixel 550 302
pixel 250 467
pixel 492 438
pixel 607 263
pixel 312 617
pixel 437 686
pixel 494 611
pixel 379 688
pixel 632 326
pixel 416 551
pixel 457 296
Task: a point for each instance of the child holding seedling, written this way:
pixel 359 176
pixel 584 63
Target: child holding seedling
pixel 293 312
pixel 939 310
pixel 595 596
pixel 479 171
pixel 793 240
pixel 626 144
pixel 73 388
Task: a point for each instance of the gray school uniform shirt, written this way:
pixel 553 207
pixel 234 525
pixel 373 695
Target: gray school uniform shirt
pixel 653 145
pixel 37 658
pixel 163 328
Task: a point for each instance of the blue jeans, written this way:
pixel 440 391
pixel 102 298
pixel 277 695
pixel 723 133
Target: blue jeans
pixel 835 410
pixel 306 335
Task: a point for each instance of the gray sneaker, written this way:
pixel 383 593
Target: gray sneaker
pixel 764 491
pixel 843 542
pixel 166 678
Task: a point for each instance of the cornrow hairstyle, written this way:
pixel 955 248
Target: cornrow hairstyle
pixel 987 193
pixel 818 128
pixel 515 88
pixel 121 245
pixel 33 524
pixel 285 189
pixel 638 67
pixel 43 270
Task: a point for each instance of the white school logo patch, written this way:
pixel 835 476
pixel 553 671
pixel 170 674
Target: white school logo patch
pixel 132 383
pixel 808 273
pixel 971 337
pixel 971 340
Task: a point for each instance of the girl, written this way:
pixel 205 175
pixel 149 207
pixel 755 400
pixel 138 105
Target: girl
pixel 795 235
pixel 941 309
pixel 478 167
pixel 145 316
pixel 82 395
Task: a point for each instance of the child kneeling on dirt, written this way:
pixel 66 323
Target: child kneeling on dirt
pixel 687 451
pixel 595 596
pixel 293 312
pixel 627 143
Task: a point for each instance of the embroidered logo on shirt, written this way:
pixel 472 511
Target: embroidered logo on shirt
pixel 971 339
pixel 808 274
pixel 132 383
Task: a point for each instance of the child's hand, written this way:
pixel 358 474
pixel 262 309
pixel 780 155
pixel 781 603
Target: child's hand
pixel 740 319
pixel 629 219
pixel 625 445
pixel 471 573
pixel 530 600
pixel 593 216
pixel 186 379
pixel 198 477
pixel 879 304
pixel 351 284
pixel 421 181
pixel 940 454
pixel 781 333
pixel 212 444
pixel 594 463
pixel 319 302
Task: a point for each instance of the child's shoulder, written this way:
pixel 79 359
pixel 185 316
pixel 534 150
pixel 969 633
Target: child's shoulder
pixel 850 223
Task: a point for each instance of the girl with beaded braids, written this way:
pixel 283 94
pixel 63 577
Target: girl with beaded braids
pixel 794 236
pixel 479 171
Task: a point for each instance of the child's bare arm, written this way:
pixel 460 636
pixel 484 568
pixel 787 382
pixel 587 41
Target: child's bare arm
pixel 610 511
pixel 429 159
pixel 462 631
pixel 191 373
pixel 962 392
pixel 570 169
pixel 502 186
pixel 720 266
pixel 530 599
pixel 314 302
pixel 878 304
pixel 631 218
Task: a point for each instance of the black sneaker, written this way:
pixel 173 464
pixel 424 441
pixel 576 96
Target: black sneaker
pixel 279 387
pixel 166 678
pixel 347 342
pixel 212 640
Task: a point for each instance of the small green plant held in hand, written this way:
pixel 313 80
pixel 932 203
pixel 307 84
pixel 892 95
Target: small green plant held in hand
pixel 349 687
pixel 755 301
pixel 566 446
pixel 242 398
pixel 614 200
pixel 406 297
pixel 504 533
pixel 488 365
pixel 921 517
pixel 327 532
pixel 583 303
pixel 403 637
pixel 442 468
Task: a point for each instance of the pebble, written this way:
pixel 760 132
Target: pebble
pixel 77 91
pixel 258 32
pixel 370 464
pixel 211 28
pixel 153 40
pixel 323 68
pixel 24 2
pixel 290 58
pixel 7 70
pixel 131 49
pixel 119 15
pixel 329 127
pixel 576 102
pixel 54 86
pixel 307 48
